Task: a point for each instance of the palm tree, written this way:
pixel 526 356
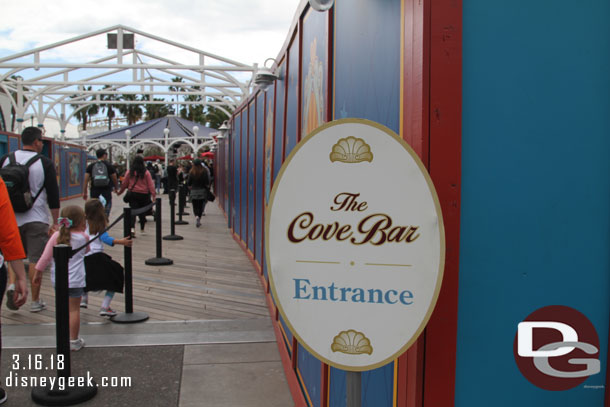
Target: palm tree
pixel 131 112
pixel 193 112
pixel 214 117
pixel 177 79
pixel 155 111
pixel 83 115
pixel 109 108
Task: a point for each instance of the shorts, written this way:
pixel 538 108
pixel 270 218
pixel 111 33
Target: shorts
pixel 34 237
pixel 76 292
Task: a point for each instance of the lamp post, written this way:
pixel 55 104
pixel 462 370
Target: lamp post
pixel 127 140
pixel 195 141
pixel 166 134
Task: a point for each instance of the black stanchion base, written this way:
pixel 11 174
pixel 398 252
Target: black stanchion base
pixel 130 317
pixel 173 237
pixel 159 261
pixel 183 214
pixel 181 222
pixel 67 397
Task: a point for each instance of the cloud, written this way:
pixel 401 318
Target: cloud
pixel 245 30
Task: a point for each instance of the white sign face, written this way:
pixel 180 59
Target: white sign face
pixel 355 244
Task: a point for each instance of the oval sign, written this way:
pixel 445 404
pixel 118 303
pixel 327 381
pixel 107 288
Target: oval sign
pixel 355 244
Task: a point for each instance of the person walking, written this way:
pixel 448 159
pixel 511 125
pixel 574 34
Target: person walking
pixel 34 222
pixel 71 232
pixel 102 273
pixel 198 182
pixel 103 178
pixel 11 252
pixel 139 183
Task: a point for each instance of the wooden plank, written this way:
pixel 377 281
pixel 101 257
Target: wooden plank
pixel 211 277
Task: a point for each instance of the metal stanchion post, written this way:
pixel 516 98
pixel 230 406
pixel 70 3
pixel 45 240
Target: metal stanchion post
pixel 172 204
pixel 75 394
pixel 353 389
pixel 159 260
pixel 181 203
pixel 182 200
pixel 128 316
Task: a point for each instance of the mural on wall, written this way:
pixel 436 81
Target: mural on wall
pixel 313 108
pixel 73 169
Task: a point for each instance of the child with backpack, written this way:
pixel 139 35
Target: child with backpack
pixel 102 273
pixel 72 227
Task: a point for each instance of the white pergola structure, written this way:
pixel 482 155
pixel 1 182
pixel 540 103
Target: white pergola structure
pixel 50 89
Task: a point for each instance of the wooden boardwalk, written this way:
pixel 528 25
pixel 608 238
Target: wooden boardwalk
pixel 211 277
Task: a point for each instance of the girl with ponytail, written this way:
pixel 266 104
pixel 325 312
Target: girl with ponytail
pixel 71 232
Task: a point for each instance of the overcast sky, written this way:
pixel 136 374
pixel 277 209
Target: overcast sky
pixel 248 31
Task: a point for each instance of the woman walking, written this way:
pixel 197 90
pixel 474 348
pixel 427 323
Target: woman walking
pixel 198 182
pixel 141 189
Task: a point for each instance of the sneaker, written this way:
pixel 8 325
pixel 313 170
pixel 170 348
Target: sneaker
pixel 107 312
pixel 77 344
pixel 84 304
pixel 3 395
pixel 38 306
pixel 198 222
pixel 10 298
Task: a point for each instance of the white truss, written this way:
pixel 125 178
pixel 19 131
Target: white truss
pixel 49 89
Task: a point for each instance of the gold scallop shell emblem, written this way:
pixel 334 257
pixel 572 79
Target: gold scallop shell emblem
pixel 351 150
pixel 351 342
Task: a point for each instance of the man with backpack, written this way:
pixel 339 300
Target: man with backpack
pixel 31 182
pixel 103 179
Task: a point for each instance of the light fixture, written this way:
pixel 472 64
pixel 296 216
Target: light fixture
pixel 224 129
pixel 195 131
pixel 264 77
pixel 128 133
pixel 166 131
pixel 321 5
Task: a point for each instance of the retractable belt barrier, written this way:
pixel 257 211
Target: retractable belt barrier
pixel 159 260
pixel 81 392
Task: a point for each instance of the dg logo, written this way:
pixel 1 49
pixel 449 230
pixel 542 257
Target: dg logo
pixel 556 348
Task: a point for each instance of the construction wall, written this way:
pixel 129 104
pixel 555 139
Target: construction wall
pixel 508 109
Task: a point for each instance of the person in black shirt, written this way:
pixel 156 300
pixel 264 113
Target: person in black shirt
pixel 198 181
pixel 97 182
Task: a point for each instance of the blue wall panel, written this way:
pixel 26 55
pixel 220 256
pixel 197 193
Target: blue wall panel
pixel 278 144
pixel 311 370
pixel 236 153
pixel 378 387
pixel 244 176
pixel 13 143
pixel 337 388
pixel 291 97
pixel 3 144
pixel 260 178
pixel 535 180
pixel 367 61
pixel 251 169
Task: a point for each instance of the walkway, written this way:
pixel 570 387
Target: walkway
pixel 209 340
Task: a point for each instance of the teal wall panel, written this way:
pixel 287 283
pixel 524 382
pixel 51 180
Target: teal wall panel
pixel 535 224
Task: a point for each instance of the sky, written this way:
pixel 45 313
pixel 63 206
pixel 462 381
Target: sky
pixel 246 31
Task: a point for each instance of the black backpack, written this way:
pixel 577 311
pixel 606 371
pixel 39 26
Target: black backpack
pixel 16 176
pixel 99 175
